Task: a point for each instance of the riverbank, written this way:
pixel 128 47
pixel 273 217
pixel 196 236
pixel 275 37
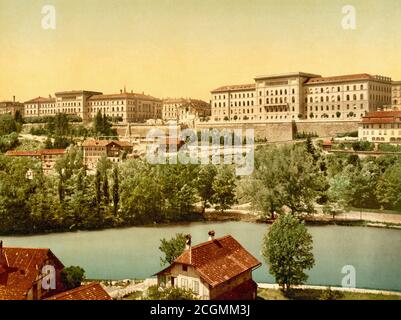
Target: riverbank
pixel 272 292
pixel 136 289
pixel 351 218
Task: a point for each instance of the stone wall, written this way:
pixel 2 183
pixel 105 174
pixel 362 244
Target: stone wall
pixel 326 129
pixel 273 132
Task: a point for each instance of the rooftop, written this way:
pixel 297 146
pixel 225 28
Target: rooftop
pixel 41 100
pixel 34 153
pixel 123 95
pixel 287 75
pixel 238 87
pixel 92 291
pixel 19 269
pixel 348 77
pixel 393 116
pixel 218 260
pixel 104 143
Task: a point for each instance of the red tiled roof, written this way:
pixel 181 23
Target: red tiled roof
pixel 238 87
pixel 382 117
pixel 219 260
pixel 34 153
pixel 92 291
pixel 18 275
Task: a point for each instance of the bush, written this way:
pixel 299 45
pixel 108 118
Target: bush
pixel 8 142
pixel 363 146
pixel 389 147
pixel 72 277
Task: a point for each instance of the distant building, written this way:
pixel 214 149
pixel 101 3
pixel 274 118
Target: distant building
pixel 126 107
pixel 40 107
pixel 22 271
pixel 48 157
pixel 396 94
pixel 94 150
pixel 11 107
pixel 91 291
pixel 297 96
pixel 219 269
pixel 381 126
pixel 185 110
pixel 74 103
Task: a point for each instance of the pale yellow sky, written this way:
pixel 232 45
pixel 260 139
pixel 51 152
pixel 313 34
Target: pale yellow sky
pixel 188 47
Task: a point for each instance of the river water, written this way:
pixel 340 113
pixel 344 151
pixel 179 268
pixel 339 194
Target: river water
pixel 375 253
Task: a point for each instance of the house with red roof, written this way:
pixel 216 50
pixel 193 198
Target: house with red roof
pixel 35 274
pixel 219 269
pixel 23 270
pixel 381 127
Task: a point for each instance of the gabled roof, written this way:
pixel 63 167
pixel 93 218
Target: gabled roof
pixel 92 291
pixel 21 271
pixel 218 260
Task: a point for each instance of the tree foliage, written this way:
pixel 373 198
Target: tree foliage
pixel 287 249
pixel 72 277
pixel 172 248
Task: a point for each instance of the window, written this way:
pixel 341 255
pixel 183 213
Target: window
pixel 196 286
pixel 184 268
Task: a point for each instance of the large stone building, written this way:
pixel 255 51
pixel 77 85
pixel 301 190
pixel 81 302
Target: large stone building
pixel 11 107
pixel 297 96
pixel 219 269
pixel 124 107
pixel 381 127
pixel 185 110
pixel 40 106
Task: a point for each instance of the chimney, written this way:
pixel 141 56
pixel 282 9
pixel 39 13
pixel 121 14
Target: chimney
pixel 211 235
pixel 121 90
pixel 188 246
pixel 13 98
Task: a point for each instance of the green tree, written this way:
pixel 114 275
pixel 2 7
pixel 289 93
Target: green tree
pixel 388 188
pixel 116 190
pixel 7 124
pixel 223 187
pixel 106 193
pixel 204 184
pixel 287 249
pixel 172 248
pixel 285 177
pixel 72 277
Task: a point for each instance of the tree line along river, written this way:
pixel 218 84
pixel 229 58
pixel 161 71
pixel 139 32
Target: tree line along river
pixel 132 253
